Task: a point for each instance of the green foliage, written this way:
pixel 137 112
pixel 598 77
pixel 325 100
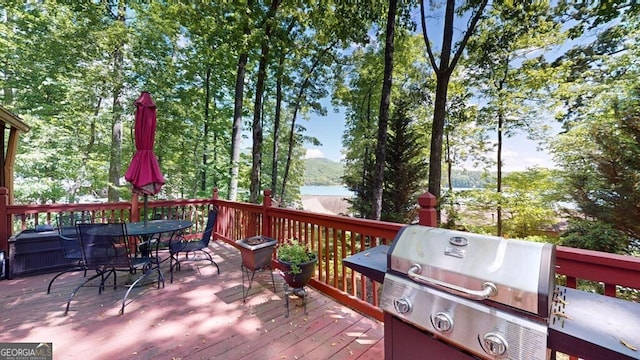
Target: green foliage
pixel 594 235
pixel 405 168
pixel 60 77
pixel 295 253
pixel 587 15
pixel 542 239
pixel 528 201
pixel 362 100
pixel 604 173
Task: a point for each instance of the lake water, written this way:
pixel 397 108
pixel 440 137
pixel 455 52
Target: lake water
pixel 325 190
pixel 340 190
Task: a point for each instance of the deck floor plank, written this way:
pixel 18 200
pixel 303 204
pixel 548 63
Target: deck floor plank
pixel 200 316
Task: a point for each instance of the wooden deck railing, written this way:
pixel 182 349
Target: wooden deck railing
pixel 613 272
pixel 331 237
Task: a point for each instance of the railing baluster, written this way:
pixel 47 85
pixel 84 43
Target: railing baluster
pixel 363 279
pixel 343 254
pixel 336 259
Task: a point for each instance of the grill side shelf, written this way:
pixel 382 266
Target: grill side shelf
pixel 371 263
pixel 594 326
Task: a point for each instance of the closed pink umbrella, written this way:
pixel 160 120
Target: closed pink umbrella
pixel 144 172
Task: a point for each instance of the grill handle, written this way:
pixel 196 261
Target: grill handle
pixel 488 289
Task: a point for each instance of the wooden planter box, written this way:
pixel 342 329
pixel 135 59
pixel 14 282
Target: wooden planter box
pixel 256 251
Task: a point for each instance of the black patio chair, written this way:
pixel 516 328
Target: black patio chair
pixel 180 244
pixel 70 243
pixel 108 250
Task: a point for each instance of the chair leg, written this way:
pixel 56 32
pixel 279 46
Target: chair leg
pixel 78 288
pixel 104 279
pixel 64 272
pixel 286 298
pixel 160 276
pixel 144 274
pixel 175 258
pixel 212 261
pixel 172 258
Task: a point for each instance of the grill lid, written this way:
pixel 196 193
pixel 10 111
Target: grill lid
pixel 516 273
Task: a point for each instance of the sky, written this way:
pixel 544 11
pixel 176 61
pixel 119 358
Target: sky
pixel 518 153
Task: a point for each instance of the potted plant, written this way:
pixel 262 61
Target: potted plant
pixel 296 262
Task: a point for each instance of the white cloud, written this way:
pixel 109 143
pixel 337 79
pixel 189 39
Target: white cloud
pixel 314 153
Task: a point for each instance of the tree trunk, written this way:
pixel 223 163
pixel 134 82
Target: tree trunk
pixel 236 136
pixel 276 127
pixel 437 132
pixel 298 104
pixel 256 163
pixel 207 87
pixel 499 180
pixel 383 119
pixel 449 161
pixel 443 71
pixel 115 160
pixel 365 211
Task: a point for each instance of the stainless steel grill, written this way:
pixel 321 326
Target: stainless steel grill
pixel 486 295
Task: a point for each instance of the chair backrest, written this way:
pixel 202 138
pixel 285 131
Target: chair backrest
pixel 211 223
pixel 105 245
pixel 66 224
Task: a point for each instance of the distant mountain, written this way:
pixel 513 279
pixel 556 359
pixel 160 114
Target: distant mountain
pixel 322 171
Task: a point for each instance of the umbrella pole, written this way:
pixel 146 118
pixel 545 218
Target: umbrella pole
pixel 145 210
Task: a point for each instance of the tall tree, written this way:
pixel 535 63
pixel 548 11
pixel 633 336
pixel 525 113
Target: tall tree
pixel 501 67
pixel 599 147
pixel 383 114
pixel 405 169
pixel 603 172
pixel 450 54
pixel 236 138
pixel 301 99
pixel 117 14
pixel 256 165
pixel 360 99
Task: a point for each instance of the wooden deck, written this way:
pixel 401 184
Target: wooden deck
pixel 200 316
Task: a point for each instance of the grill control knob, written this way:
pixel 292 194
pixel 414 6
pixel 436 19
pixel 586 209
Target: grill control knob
pixel 442 322
pixel 402 305
pixel 495 344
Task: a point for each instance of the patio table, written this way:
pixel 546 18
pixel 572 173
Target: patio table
pixel 145 231
pixel 154 227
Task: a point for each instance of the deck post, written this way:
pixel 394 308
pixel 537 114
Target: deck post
pixel 5 221
pixel 427 214
pixel 266 221
pixel 135 208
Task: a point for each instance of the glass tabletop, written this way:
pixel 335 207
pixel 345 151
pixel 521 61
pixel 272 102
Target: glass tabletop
pixel 156 226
